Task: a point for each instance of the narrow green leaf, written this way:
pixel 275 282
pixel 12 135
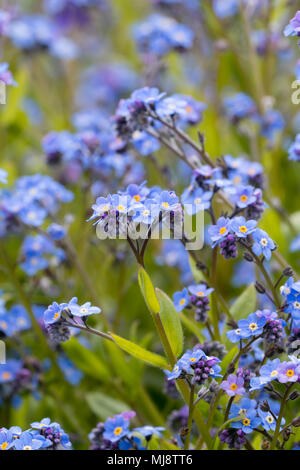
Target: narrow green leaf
pixel 228 358
pixel 191 325
pixel 86 360
pixel 105 406
pixel 244 304
pixel 140 353
pixel 148 291
pixel 171 321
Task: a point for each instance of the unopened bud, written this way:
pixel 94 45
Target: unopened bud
pixel 294 395
pixel 296 422
pixel 232 324
pixel 260 288
pixel 265 445
pixel 286 434
pixel 288 272
pixel 265 406
pixel 202 393
pixel 248 257
pixel 231 368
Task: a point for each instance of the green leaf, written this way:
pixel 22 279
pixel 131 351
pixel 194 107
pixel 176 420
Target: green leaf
pixel 15 96
pixel 191 325
pixel 86 360
pixel 171 321
pixel 244 304
pixel 148 291
pixel 105 406
pixel 140 353
pixel 228 358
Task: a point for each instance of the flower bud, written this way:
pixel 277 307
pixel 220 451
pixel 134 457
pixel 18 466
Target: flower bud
pixel 260 288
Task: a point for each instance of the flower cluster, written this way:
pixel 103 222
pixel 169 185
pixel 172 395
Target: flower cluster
pixel 120 214
pixel 42 435
pixel 160 34
pixel 196 364
pixel 196 296
pixel 228 232
pixel 115 434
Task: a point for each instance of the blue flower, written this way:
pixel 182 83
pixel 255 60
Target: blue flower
pixel 248 423
pixel 53 313
pixel 234 335
pixel 149 431
pixel 27 441
pixel 56 231
pixel 295 244
pixel 293 28
pixel 168 201
pixel 268 421
pixel 145 143
pixel 268 373
pixel 263 244
pixel 294 149
pixel 44 423
pixel 225 9
pixel 244 406
pixel 116 428
pixel 177 370
pixel 200 290
pixel 3 176
pixel 252 326
pixel 147 212
pixel 219 231
pixel 83 310
pixel 181 299
pixel 131 444
pixel 239 106
pixel 9 371
pixel 242 227
pixel 33 215
pixel 6 440
pixel 197 200
pixel 243 197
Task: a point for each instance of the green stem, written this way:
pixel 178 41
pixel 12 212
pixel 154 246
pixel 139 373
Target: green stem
pixel 190 418
pixel 214 309
pixel 280 416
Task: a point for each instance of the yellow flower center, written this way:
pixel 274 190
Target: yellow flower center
pixel 290 373
pixel 56 316
pixel 253 326
pixel 83 310
pixel 244 198
pixel 27 448
pixel 137 197
pixel 188 109
pixel 274 373
pixel 246 422
pixel 193 359
pixel 118 431
pixel 4 445
pixel 243 229
pixel 182 301
pixel 222 230
pixel 146 212
pixel 297 304
pixel 200 294
pixel 6 375
pixel 165 205
pixel 121 208
pixel 233 387
pixel 269 419
pixel 3 325
pixel 197 200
